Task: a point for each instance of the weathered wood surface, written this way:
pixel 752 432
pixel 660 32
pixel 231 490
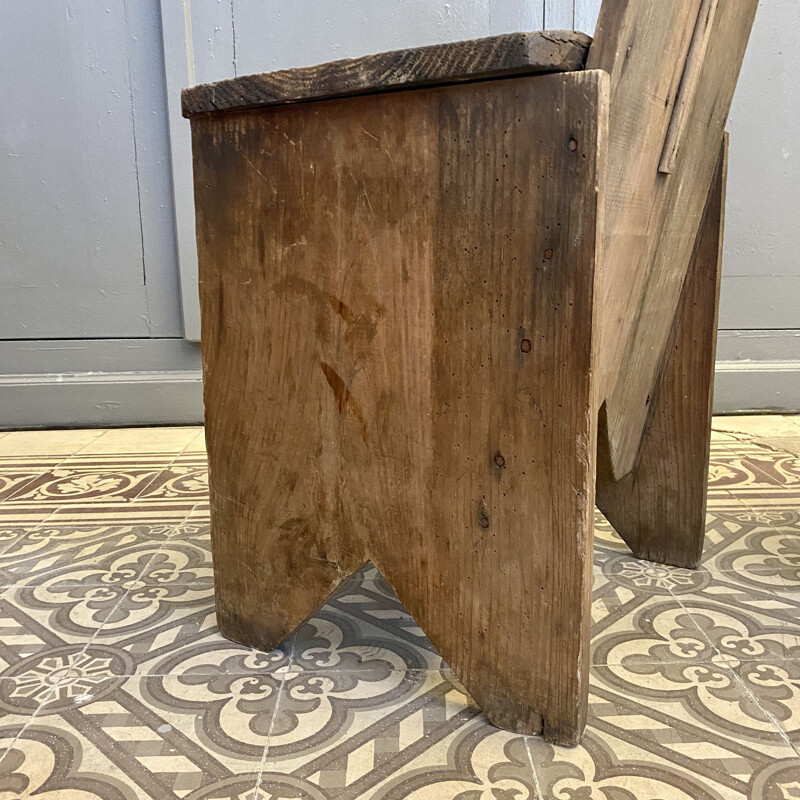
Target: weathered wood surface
pixel 659 508
pixel 690 79
pixel 398 336
pixel 651 219
pixel 505 55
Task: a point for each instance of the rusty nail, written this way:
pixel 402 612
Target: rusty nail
pixel 573 145
pixel 499 460
pixel 525 345
pixel 484 522
pixel 548 254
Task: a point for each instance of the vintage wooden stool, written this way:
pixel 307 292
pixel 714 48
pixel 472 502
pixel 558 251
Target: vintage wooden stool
pixel 443 293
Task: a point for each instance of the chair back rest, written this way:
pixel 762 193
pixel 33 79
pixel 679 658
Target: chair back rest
pixel 673 66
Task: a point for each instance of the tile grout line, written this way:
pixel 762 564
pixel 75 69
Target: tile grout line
pixel 737 680
pixel 536 785
pixel 781 732
pixel 262 765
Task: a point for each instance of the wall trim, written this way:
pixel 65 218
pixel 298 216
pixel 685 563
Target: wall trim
pixel 742 386
pixel 101 399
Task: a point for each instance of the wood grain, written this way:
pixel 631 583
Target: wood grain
pixel 398 343
pixel 651 219
pixel 688 86
pixel 659 508
pixel 505 55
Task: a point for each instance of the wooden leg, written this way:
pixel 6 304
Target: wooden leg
pixel 399 337
pixel 659 507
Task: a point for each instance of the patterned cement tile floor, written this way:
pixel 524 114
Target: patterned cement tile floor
pixel 114 682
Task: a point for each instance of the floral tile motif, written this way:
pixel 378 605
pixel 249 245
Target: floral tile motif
pixel 766 544
pixel 85 554
pixel 10 534
pixel 172 629
pixel 106 487
pixel 666 738
pixel 754 475
pixel 395 735
pixel 35 620
pixel 775 684
pixel 144 737
pixel 182 559
pixel 363 626
pixel 115 681
pixel 91 481
pixel 743 623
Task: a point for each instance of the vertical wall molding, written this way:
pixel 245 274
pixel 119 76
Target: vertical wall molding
pixel 176 31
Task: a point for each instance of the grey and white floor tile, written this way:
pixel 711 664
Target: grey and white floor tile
pixel 116 683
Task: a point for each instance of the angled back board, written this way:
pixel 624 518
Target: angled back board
pixel 674 67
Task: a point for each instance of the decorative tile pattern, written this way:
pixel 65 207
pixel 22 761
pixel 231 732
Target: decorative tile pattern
pixel 115 682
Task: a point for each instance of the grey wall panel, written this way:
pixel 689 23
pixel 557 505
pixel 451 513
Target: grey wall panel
pixel 749 302
pixel 762 232
pixel 579 15
pixel 585 15
pixel 277 35
pixel 559 15
pixel 85 211
pixel 70 198
pixel 149 111
pixel 73 312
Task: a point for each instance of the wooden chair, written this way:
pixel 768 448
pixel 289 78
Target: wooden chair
pixel 434 318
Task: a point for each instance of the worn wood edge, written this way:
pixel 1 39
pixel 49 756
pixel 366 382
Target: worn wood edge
pixel 506 55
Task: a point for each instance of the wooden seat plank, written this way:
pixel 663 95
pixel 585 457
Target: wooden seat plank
pixel 478 59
